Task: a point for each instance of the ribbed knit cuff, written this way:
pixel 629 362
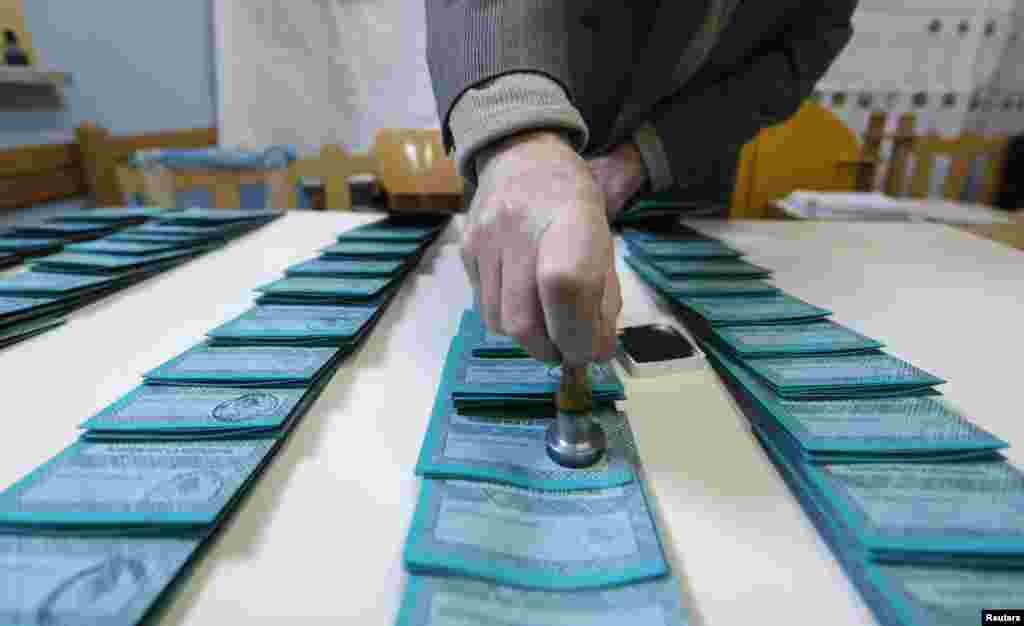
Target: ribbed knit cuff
pixel 659 172
pixel 510 104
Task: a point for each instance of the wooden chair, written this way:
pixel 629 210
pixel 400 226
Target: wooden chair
pixel 163 184
pixel 103 154
pixel 414 170
pixel 334 167
pixel 917 154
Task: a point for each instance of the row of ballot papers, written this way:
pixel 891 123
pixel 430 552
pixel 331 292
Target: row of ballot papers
pixel 502 534
pixel 97 533
pixel 101 256
pixel 915 501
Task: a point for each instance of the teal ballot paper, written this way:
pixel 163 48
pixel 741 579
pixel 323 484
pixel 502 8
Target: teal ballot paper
pixel 170 412
pixel 180 231
pixel 118 487
pixel 385 231
pixel 843 376
pixel 444 601
pixel 930 595
pixel 206 217
pixel 858 430
pixel 68 231
pixel 373 249
pixel 78 579
pixel 19 331
pixel 29 246
pixel 114 215
pixel 340 290
pixel 346 268
pixel 684 249
pixel 17 308
pixel 493 446
pixel 534 539
pixel 782 340
pixel 747 310
pixel 107 246
pixel 671 231
pixel 699 287
pixel 967 512
pixel 903 594
pixel 483 343
pixel 516 382
pixel 297 324
pixel 81 263
pixel 709 268
pixel 249 366
pixel 30 284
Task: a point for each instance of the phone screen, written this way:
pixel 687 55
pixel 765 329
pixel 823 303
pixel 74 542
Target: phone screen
pixel 655 342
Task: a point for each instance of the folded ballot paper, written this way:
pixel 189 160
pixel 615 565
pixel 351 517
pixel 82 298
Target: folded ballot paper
pixel 11 334
pixel 307 325
pixel 535 539
pixel 79 579
pixel 447 601
pixel 15 309
pixel 29 246
pixel 374 249
pixel 247 366
pixel 780 308
pixel 347 268
pixel 682 249
pixel 709 268
pixel 206 217
pixel 116 488
pixel 871 375
pixel 30 284
pixel 491 445
pixel 305 290
pixel 67 231
pixel 108 246
pixel 699 287
pixel 88 263
pixel 907 594
pixel 483 343
pixel 168 412
pixel 783 340
pixel 394 229
pixel 519 382
pixel 856 430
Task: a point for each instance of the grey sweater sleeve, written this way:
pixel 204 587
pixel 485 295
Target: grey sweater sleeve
pixel 507 105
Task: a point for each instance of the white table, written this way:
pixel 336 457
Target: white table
pixel 320 538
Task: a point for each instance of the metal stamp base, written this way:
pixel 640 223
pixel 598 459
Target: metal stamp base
pixel 575 441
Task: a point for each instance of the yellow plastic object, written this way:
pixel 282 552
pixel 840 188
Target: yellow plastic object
pixel 812 150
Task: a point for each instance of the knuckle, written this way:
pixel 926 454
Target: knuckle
pixel 565 282
pixel 523 328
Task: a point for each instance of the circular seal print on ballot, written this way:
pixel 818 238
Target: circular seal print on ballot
pixel 105 588
pixel 192 487
pixel 247 407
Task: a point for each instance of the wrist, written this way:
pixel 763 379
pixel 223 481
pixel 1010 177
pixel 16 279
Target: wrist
pixel 518 141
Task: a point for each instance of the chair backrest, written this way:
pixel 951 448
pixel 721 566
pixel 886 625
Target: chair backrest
pixel 222 172
pixel 103 153
pixel 912 160
pixel 813 150
pixel 414 170
pixel 334 166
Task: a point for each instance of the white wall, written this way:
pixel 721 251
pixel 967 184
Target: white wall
pixel 320 71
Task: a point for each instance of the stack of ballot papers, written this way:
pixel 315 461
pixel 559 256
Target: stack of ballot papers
pixel 99 532
pixel 915 501
pixel 517 382
pixel 24 247
pixel 502 534
pixel 663 208
pixel 324 290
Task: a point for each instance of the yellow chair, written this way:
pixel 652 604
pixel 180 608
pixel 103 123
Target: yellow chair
pixel 813 150
pixel 334 167
pixel 414 170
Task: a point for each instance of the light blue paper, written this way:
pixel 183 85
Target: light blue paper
pixel 245 365
pixel 129 248
pixel 534 539
pixel 354 288
pixel 684 249
pixel 91 485
pixel 29 245
pixel 282 323
pixel 830 377
pixel 699 287
pixel 746 310
pixel 51 284
pixel 373 249
pixel 444 601
pixel 81 580
pixel 709 268
pixel 346 268
pixel 809 338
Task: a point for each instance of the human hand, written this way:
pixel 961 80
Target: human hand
pixel 620 174
pixel 538 251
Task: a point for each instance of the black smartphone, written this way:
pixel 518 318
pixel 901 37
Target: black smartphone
pixel 652 343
